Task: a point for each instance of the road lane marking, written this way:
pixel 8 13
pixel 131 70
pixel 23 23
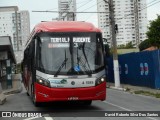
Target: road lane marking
pixel 118 106
pixel 47 117
pixel 126 109
pixel 32 118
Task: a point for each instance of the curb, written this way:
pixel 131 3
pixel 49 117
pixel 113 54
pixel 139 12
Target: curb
pixel 12 91
pixel 2 99
pixel 115 88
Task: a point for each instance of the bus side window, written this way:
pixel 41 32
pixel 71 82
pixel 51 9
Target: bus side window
pixel 26 58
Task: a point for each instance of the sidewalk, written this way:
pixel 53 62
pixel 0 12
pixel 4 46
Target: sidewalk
pixel 136 89
pixel 16 88
pixel 2 96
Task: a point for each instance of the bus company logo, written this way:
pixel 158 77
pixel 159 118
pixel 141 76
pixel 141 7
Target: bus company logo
pixel 63 81
pixel 72 83
pixel 6 114
pixel 77 68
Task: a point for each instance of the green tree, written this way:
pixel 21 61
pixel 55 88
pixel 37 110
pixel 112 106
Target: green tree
pixel 122 46
pixel 153 33
pixel 129 45
pixel 145 44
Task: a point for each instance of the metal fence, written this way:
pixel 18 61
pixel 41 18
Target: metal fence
pixel 139 69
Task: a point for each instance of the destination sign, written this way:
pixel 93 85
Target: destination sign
pixel 67 39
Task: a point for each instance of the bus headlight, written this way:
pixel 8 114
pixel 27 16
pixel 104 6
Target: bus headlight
pixel 100 80
pixel 43 82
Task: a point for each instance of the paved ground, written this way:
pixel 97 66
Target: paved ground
pixel 116 101
pixel 132 88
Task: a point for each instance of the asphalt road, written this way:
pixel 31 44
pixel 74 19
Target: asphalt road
pixel 116 101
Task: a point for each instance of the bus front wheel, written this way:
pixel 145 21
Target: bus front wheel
pixel 88 102
pixel 37 104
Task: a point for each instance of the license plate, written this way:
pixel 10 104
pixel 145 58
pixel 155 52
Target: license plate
pixel 73 98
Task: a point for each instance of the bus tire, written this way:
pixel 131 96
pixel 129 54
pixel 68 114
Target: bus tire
pixel 36 104
pixel 88 102
pixel 27 94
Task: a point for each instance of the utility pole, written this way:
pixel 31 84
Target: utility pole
pixel 136 14
pixel 114 43
pixel 73 16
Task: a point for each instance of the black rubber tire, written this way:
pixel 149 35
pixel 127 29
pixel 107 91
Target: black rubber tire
pixel 88 102
pixel 27 94
pixel 36 104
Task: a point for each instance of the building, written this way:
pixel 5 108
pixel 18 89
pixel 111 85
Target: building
pixel 7 61
pixel 131 18
pixel 65 6
pixel 15 24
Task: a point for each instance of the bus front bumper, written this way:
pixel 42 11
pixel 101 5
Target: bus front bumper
pixel 46 94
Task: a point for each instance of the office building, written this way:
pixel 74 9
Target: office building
pixel 131 18
pixel 65 6
pixel 18 28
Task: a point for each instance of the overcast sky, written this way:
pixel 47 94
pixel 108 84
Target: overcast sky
pixel 35 18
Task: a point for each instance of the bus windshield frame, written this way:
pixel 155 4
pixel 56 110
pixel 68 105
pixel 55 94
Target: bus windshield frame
pixel 69 53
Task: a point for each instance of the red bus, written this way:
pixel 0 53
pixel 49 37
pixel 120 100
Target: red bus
pixel 64 61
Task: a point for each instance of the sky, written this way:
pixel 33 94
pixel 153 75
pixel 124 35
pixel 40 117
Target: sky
pixel 44 5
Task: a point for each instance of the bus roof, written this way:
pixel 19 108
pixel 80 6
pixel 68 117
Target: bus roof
pixel 65 26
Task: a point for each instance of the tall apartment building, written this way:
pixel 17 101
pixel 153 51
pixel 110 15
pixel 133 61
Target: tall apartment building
pixel 130 18
pixel 21 28
pixel 65 6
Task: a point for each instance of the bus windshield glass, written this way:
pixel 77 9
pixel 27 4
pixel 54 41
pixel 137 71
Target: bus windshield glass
pixel 69 53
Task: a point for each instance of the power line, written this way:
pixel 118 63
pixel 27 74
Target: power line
pixel 151 5
pixel 68 12
pixel 73 12
pixel 67 6
pixel 84 4
pixel 76 3
pixel 152 2
pixel 89 17
pixel 139 10
pixel 92 6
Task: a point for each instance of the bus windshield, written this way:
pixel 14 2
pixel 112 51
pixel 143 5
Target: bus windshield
pixel 69 53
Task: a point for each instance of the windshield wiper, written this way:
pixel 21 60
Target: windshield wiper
pixel 88 71
pixel 84 66
pixel 60 68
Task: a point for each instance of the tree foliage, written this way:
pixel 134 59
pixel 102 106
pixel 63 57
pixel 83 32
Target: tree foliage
pixel 127 46
pixel 153 33
pixel 145 44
